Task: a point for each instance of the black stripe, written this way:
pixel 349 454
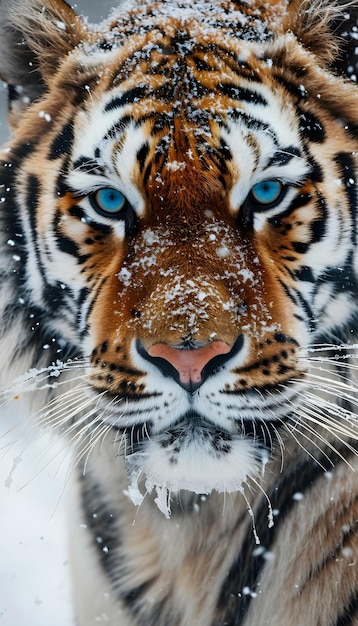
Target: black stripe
pixel 300 247
pixel 220 156
pixel 304 274
pixel 102 522
pixel 294 89
pixel 55 299
pixel 119 127
pixel 82 297
pixel 346 166
pixel 21 152
pixel 299 201
pixel 142 154
pixel 64 243
pixel 229 59
pixel 232 605
pixel 32 200
pixel 83 84
pixel 123 392
pixel 241 93
pixel 69 246
pixel 350 614
pixel 297 298
pixel 310 126
pixel 284 156
pixel 344 278
pixel 311 320
pixel 114 367
pixel 76 211
pixel 62 144
pixel 148 170
pixel 88 165
pixel 201 65
pixel 224 150
pixel 62 188
pixel 237 115
pixel 318 225
pixel 316 171
pixel 128 97
pixel 93 293
pixel 132 598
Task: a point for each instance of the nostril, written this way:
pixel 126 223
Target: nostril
pixel 190 367
pixel 212 365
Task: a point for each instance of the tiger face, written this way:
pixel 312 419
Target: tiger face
pixel 187 177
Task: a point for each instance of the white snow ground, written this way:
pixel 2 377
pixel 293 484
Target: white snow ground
pixel 34 561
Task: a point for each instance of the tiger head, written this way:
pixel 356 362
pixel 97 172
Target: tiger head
pixel 178 211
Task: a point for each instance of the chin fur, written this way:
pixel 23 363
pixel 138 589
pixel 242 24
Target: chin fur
pixel 199 461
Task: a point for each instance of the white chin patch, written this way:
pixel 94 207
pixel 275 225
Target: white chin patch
pixel 200 464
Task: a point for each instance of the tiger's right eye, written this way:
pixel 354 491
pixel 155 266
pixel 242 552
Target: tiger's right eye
pixel 267 193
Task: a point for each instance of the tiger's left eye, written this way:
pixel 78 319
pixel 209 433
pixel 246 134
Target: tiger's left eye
pixel 268 193
pixel 108 202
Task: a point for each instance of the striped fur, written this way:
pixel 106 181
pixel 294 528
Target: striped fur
pixel 207 490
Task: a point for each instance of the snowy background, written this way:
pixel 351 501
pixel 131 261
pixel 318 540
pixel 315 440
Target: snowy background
pixel 34 562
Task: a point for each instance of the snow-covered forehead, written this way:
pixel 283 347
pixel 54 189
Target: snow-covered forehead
pixel 176 59
pixel 247 20
pixel 172 98
pixel 183 99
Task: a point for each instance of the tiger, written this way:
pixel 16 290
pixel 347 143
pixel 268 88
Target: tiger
pixel 179 301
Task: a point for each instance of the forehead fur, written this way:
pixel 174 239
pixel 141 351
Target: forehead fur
pixel 44 31
pixel 62 52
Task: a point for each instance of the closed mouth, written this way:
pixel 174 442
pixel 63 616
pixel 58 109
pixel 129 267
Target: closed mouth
pixel 192 426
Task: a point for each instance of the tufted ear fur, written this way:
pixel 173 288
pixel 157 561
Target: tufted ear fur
pixel 34 36
pixel 314 22
pixel 307 69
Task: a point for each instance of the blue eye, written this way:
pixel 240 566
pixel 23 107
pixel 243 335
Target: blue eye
pixel 267 193
pixel 108 202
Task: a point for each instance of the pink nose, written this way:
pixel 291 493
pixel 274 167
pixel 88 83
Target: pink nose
pixel 189 363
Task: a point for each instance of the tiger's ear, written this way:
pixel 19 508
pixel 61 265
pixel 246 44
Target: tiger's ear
pixel 314 23
pixel 34 36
